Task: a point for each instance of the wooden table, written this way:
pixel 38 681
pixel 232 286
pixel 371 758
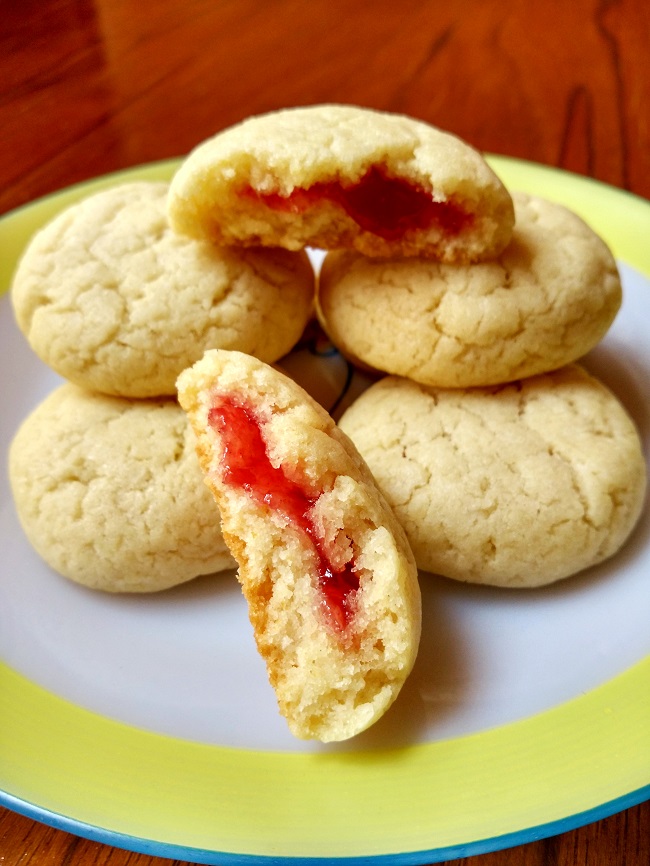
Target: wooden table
pixel 90 87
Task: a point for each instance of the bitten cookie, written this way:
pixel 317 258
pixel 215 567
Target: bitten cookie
pixel 544 302
pixel 514 486
pixel 330 581
pixel 335 176
pixel 110 494
pixel 115 301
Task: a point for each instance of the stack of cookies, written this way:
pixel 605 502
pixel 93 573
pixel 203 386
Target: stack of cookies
pixel 483 452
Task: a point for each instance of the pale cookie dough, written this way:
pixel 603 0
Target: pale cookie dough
pixel 115 301
pixel 514 486
pixel 545 302
pixel 330 581
pixel 335 176
pixel 110 494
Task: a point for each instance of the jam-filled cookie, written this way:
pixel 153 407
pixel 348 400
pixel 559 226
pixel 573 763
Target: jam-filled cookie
pixel 547 299
pixel 110 493
pixel 114 300
pixel 518 485
pixel 335 176
pixel 329 579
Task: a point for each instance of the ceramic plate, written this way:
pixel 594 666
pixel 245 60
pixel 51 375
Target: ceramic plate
pixel 148 722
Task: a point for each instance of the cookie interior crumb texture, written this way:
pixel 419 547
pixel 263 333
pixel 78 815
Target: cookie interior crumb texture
pixel 110 493
pixel 342 176
pixel 515 486
pixel 112 299
pixel 337 652
pixel 546 301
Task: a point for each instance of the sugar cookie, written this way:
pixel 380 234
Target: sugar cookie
pixel 110 494
pixel 113 300
pixel 335 176
pixel 518 485
pixel 544 302
pixel 330 581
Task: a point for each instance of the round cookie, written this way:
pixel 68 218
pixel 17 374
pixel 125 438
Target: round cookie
pixel 334 176
pixel 516 486
pixel 544 302
pixel 328 575
pixel 110 494
pixel 115 301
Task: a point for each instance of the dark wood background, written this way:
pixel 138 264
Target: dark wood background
pixel 90 87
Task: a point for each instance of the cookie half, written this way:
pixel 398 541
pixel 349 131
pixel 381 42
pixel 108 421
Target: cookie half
pixel 110 494
pixel 115 301
pixel 515 486
pixel 546 301
pixel 329 578
pixel 333 176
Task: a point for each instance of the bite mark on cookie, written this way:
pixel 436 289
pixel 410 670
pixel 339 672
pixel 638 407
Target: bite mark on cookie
pixel 329 579
pixel 246 466
pixel 379 202
pixel 343 177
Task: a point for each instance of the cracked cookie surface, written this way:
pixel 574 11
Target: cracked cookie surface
pixel 518 485
pixel 110 494
pixel 115 301
pixel 548 299
pixel 334 176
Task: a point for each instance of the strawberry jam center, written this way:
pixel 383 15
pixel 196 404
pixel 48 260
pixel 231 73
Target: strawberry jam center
pixel 383 205
pixel 246 466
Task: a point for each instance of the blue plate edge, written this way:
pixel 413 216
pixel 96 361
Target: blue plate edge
pixel 413 858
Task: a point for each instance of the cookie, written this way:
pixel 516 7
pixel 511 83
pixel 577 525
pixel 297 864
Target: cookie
pixel 330 581
pixel 115 301
pixel 515 486
pixel 340 176
pixel 543 303
pixel 110 494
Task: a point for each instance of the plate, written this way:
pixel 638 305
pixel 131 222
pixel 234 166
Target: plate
pixel 147 723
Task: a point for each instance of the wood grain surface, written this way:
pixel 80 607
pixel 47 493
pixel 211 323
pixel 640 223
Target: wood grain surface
pixel 90 87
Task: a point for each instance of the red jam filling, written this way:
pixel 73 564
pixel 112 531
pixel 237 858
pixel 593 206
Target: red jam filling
pixel 246 466
pixel 383 205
